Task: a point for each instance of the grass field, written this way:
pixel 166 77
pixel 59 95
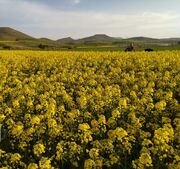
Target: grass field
pixel 90 110
pixel 116 48
pixel 48 45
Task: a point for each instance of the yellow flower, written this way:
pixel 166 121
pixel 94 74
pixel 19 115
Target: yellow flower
pixel 38 149
pixel 38 107
pixel 94 153
pixel 169 95
pixel 15 158
pixel 16 104
pixel 113 159
pixel 51 109
pixel 17 130
pixel 133 94
pixel 123 102
pixel 89 164
pixel 84 127
pixel 73 114
pixel 118 133
pixel 111 122
pixel 30 131
pixel 146 142
pixel 86 137
pixel 2 117
pixel 52 123
pixel 8 110
pixel 23 145
pixel 59 151
pixel 1 99
pixel 163 135
pixel 45 163
pixel 29 103
pixel 82 101
pixel 145 159
pixel 94 123
pixel 102 119
pixel 150 106
pixel 115 113
pixel 87 115
pixel 160 105
pixel 99 163
pixel 32 166
pixel 35 120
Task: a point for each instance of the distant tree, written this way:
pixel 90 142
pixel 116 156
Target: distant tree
pixel 179 43
pixel 41 46
pixel 70 47
pixel 130 48
pixel 148 50
pixel 7 47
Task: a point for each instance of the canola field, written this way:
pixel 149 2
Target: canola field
pixel 89 110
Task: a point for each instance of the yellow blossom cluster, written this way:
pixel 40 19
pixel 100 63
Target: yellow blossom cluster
pixel 38 149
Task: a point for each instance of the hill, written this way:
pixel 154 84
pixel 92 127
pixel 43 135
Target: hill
pixel 45 39
pixel 170 40
pixel 7 33
pixel 66 40
pixel 98 37
pixel 143 39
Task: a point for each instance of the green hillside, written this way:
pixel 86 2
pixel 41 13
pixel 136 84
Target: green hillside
pixel 7 33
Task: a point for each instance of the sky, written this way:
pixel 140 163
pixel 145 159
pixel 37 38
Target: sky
pixel 57 19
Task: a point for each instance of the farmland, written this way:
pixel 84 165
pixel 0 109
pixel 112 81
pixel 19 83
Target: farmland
pixel 89 109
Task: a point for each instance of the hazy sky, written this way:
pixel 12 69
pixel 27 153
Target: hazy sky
pixel 79 18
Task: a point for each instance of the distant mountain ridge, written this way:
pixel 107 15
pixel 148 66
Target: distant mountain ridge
pixel 141 38
pixel 7 33
pixel 45 39
pixel 98 37
pixel 66 40
pixel 161 40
